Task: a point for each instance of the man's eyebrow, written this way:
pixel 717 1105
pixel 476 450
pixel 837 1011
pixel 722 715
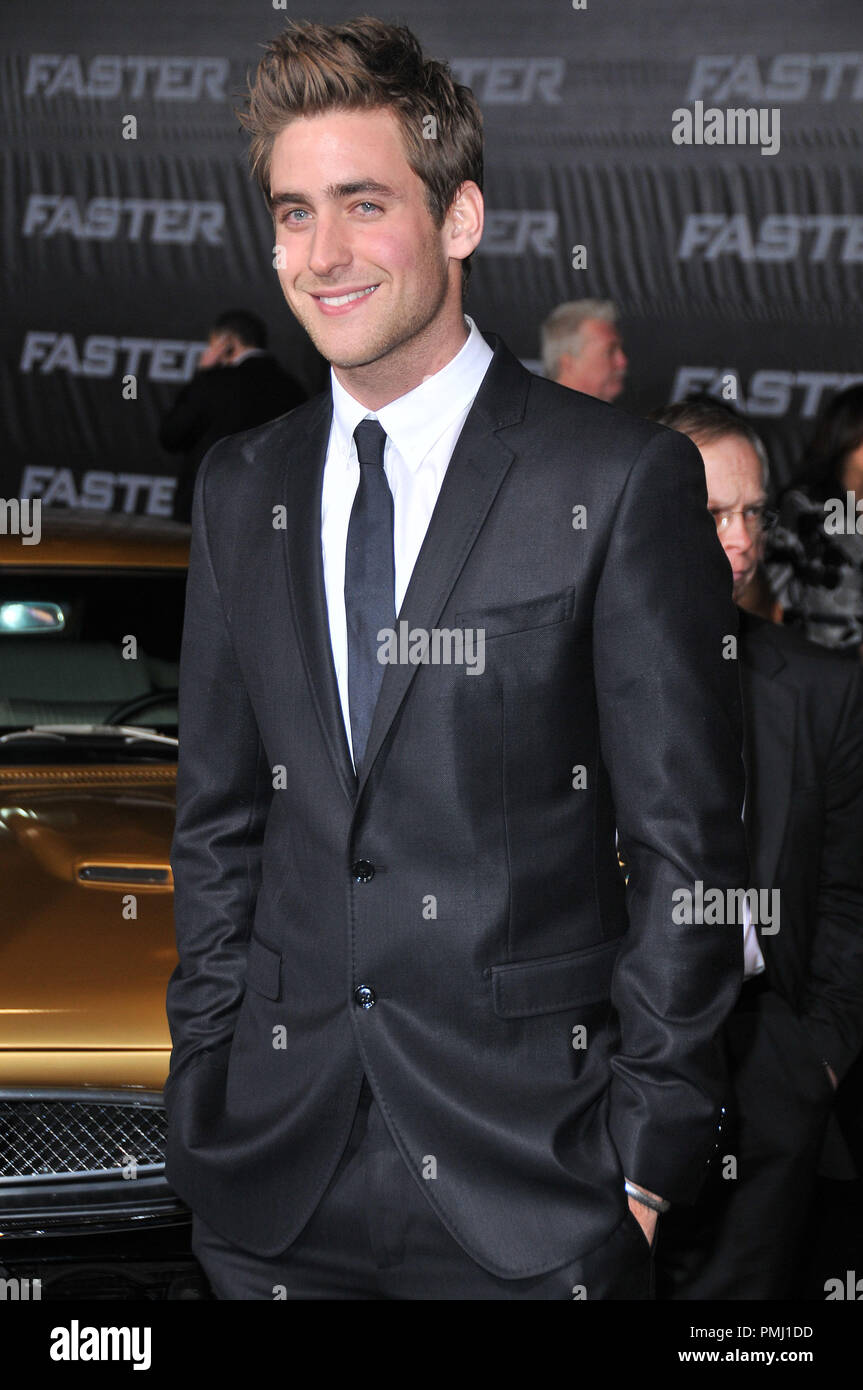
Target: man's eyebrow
pixel 337 191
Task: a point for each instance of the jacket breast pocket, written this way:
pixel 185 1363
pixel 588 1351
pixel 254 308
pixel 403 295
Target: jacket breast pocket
pixel 544 611
pixel 574 980
pixel 264 969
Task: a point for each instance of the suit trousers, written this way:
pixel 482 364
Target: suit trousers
pixel 374 1235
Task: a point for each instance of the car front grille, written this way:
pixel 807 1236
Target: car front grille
pixel 53 1137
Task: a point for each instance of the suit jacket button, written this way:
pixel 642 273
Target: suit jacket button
pixel 364 997
pixel 362 870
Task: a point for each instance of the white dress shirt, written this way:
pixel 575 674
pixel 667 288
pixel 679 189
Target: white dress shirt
pixel 753 960
pixel 422 429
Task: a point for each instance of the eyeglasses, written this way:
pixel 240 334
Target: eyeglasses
pixel 756 519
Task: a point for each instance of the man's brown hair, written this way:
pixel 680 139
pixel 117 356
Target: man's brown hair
pixel 365 65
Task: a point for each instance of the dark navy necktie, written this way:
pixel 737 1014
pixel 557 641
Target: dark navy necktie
pixel 369 581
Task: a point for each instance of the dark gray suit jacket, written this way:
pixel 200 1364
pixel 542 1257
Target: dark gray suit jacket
pixel 603 650
pixel 804 819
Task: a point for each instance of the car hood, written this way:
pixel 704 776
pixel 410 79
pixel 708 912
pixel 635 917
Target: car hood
pixel 86 947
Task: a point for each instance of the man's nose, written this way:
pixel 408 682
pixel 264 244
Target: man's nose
pixel 328 246
pixel 736 538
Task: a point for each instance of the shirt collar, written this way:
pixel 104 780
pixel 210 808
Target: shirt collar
pixel 248 352
pixel 416 420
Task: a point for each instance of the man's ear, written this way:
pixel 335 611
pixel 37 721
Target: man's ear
pixel 465 220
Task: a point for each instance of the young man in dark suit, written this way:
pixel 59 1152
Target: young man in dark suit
pixel 449 627
pixel 798 1025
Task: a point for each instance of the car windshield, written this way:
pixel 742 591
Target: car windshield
pixel 85 647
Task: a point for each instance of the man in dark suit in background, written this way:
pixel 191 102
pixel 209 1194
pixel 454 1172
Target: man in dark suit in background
pixel 238 384
pixel 448 626
pixel 798 1024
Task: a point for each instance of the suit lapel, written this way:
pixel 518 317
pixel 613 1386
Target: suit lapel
pixel 475 472
pixel 303 482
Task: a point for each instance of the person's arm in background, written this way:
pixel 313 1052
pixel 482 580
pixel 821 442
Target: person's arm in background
pixel 671 732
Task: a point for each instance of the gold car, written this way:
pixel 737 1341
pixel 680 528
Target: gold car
pixel 90 629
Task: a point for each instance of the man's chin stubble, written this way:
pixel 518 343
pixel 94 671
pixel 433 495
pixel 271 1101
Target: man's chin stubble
pixel 370 354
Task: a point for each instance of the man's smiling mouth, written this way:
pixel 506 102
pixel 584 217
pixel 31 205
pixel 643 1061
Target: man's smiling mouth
pixel 335 301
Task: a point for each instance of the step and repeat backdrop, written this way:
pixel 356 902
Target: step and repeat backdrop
pixel 698 163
